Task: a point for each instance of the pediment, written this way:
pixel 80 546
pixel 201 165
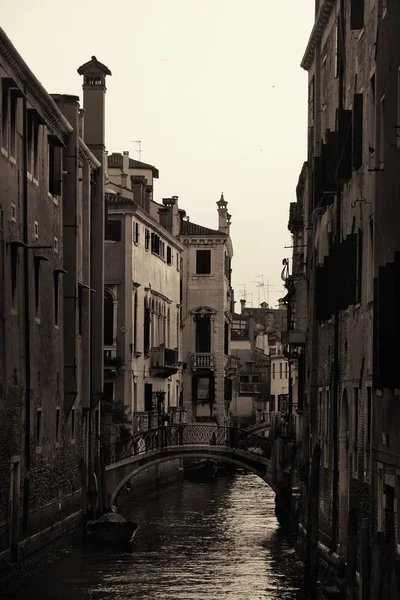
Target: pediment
pixel 203 311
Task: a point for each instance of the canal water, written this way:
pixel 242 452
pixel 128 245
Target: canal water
pixel 218 540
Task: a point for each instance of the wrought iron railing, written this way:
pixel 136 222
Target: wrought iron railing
pixel 190 434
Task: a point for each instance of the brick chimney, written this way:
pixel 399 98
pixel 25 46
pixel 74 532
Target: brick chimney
pixel 242 305
pixel 224 220
pixel 170 216
pixel 125 161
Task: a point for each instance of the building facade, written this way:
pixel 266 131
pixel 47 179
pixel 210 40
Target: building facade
pixel 207 302
pixel 252 382
pixel 47 418
pixel 349 284
pixel 142 336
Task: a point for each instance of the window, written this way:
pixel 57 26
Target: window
pixel 202 389
pixel 14 275
pixel 57 424
pixel 337 46
pixel 37 286
pixel 169 255
pixel 280 370
pixel 108 393
pixel 368 435
pixel 226 339
pixel 320 410
pixel 371 116
pixel 357 14
pixel 135 310
pixel 326 427
pixel 108 319
pixel 38 427
pixel 355 432
pixel 13 212
pixel 286 369
pixel 13 126
pixel 203 335
pixel 113 230
pixel 146 331
pixel 56 245
pixel 57 296
pixel 398 108
pixel 155 243
pixel 359 266
pixel 357 150
pixel 273 370
pixel 272 405
pixel 54 169
pixel 73 425
pixel 148 397
pixel 80 309
pixel 4 113
pixel 203 262
pixel 146 239
pixel 135 232
pixel 35 230
pixel 382 134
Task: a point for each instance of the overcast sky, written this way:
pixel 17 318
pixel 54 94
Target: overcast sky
pixel 212 88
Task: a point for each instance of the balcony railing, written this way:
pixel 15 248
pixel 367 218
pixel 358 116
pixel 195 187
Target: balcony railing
pixel 203 360
pixel 164 362
pixel 111 360
pixel 178 414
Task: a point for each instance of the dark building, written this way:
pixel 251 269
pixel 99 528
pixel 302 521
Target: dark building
pixel 346 280
pixel 48 384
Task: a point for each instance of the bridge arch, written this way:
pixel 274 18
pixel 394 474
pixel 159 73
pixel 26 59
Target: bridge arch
pixel 121 473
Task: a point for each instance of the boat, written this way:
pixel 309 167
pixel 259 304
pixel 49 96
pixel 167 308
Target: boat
pixel 111 528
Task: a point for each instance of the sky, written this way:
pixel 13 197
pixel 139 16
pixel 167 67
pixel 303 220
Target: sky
pixel 214 91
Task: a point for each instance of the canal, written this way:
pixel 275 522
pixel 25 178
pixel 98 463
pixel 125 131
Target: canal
pixel 198 541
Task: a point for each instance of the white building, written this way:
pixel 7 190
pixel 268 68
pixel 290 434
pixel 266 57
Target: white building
pixel 206 318
pixel 142 340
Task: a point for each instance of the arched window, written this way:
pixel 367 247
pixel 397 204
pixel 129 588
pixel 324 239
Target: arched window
pixel 108 319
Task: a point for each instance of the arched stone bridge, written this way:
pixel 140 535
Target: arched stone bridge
pixel 260 455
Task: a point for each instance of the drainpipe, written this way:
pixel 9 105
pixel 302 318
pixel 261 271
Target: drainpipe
pixel 27 432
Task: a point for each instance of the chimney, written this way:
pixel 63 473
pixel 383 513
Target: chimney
pixel 125 161
pixel 94 100
pixel 170 215
pixel 242 305
pixel 224 217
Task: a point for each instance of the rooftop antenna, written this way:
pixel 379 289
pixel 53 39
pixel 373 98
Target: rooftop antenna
pixel 139 151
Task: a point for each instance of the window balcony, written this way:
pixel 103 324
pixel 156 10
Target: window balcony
pixel 203 360
pixel 111 360
pixel 163 362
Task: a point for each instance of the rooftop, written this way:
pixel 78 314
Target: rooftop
pixel 188 228
pixel 115 161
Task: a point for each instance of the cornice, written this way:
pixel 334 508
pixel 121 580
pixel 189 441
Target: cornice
pixel 50 112
pixel 202 241
pixel 316 33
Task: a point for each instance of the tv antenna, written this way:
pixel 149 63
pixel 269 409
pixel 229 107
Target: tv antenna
pixel 139 144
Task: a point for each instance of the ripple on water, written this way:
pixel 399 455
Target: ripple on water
pixel 212 541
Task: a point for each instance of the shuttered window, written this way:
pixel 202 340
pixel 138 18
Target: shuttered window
pixel 357 136
pixel 357 14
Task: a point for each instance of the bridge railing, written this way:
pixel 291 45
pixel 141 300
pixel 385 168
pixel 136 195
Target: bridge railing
pixel 187 434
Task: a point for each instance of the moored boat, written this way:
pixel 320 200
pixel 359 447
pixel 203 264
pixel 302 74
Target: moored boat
pixel 111 528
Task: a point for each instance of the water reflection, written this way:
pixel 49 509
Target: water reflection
pixel 208 541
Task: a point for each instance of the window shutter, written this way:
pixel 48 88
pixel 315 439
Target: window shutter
pixel 357 137
pixel 357 14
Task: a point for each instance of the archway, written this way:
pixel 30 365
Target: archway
pixel 343 472
pixel 116 483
